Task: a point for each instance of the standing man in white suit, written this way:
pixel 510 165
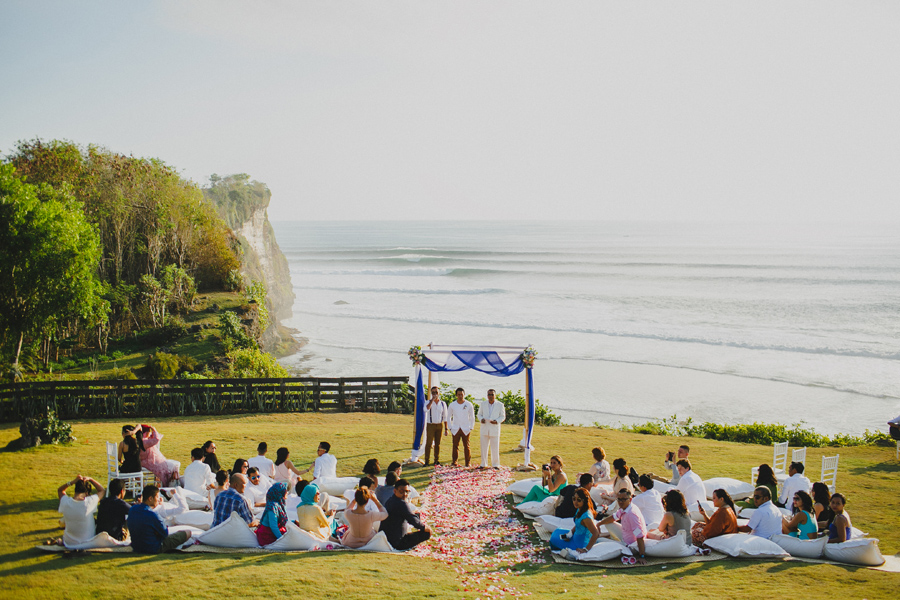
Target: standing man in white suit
pixel 491 413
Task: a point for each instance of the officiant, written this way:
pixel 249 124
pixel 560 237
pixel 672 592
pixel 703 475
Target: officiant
pixel 491 413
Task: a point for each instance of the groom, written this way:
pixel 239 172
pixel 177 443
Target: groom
pixel 491 413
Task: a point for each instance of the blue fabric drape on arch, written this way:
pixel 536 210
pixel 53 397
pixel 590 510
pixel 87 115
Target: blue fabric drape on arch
pixel 487 361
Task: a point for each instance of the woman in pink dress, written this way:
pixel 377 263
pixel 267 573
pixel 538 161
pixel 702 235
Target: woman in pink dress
pixel 152 459
pixel 361 522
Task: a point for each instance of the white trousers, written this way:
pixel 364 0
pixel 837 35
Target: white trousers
pixel 490 445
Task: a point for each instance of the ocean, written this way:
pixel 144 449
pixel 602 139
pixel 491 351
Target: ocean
pixel 731 323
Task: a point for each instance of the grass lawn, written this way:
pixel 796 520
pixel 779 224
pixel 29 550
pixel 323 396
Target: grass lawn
pixel 868 476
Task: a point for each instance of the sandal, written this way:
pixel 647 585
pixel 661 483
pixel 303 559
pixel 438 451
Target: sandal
pixel 629 560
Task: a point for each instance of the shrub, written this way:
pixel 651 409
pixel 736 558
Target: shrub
pixel 233 333
pixel 253 363
pixel 186 364
pixel 118 355
pixel 103 358
pixel 44 428
pixel 123 373
pixel 162 366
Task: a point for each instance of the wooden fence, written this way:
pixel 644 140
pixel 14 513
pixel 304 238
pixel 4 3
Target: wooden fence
pixel 179 397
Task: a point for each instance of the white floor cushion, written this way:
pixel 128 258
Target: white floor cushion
pixel 200 519
pixel 379 543
pixel 859 551
pixel 738 490
pixel 335 485
pixel 597 491
pixel 523 486
pixel 552 523
pixel 603 550
pixel 338 503
pixel 542 507
pixel 298 539
pixel 232 533
pixel 744 545
pixel 101 540
pixel 801 548
pixel 672 547
pixel 697 516
pixel 195 501
pixel 615 530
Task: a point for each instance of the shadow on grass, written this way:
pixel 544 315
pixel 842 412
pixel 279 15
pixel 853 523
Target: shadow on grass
pixel 28 507
pixel 890 466
pixel 677 571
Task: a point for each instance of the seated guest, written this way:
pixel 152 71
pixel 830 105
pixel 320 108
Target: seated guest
pixel 78 509
pixel 840 529
pixel 221 484
pixel 152 458
pixel 649 500
pixel 197 476
pixel 802 523
pixel 766 520
pixel 310 515
pixel 384 492
pixel 372 468
pixel 723 521
pixel 634 528
pixel 399 512
pixel 232 500
pixel 674 520
pixel 796 481
pixel 622 480
pixel 264 465
pixel 209 456
pixel 565 507
pixel 113 511
pixel 325 465
pixel 285 471
pixel 764 476
pixel 584 534
pixel 273 523
pixel 671 463
pixel 600 469
pixel 148 532
pixel 690 485
pixel 553 480
pixel 360 520
pixel 371 486
pixel 240 466
pixel 129 453
pixel 821 501
pixel 395 467
pixel 255 492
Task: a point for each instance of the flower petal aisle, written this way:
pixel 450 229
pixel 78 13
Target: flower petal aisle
pixel 474 531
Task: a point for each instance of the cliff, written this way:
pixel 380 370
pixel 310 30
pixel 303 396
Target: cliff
pixel 242 204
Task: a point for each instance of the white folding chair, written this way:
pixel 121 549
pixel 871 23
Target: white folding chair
pixel 134 482
pixel 779 461
pixel 798 455
pixel 829 471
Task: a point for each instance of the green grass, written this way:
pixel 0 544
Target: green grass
pixel 868 475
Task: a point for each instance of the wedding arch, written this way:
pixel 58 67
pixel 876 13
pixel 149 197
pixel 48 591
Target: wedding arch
pixel 499 361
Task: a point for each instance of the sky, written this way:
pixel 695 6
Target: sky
pixel 605 110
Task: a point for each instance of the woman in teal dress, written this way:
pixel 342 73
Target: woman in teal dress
pixel 585 533
pixel 802 523
pixel 553 480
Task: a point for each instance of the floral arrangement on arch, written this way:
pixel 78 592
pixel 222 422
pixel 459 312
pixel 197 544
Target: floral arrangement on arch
pixel 527 357
pixel 416 355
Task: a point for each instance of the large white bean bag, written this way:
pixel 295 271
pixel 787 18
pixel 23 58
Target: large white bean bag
pixel 523 486
pixel 738 490
pixel 541 507
pixel 195 501
pixel 615 530
pixel 552 523
pixel 696 515
pixel 859 551
pixel 335 486
pixel 744 545
pixel 379 543
pixel 603 549
pixel 338 503
pixel 200 519
pixel 232 533
pixel 746 513
pixel 856 533
pixel 596 492
pixel 673 547
pixel 298 539
pixel 101 540
pixel 802 548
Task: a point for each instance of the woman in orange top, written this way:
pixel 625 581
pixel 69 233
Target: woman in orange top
pixel 723 520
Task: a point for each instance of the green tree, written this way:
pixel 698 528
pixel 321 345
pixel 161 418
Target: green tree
pixel 49 255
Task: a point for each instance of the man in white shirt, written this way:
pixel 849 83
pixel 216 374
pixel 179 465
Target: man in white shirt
pixel 671 463
pixel 326 464
pixel 263 464
pixel 435 425
pixel 766 519
pixel 690 485
pixel 255 491
pixel 491 413
pixel 462 422
pixel 198 477
pixel 795 483
pixel 650 502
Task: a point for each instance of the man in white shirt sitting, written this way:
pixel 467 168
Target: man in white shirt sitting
pixel 766 519
pixel 650 502
pixel 198 477
pixel 326 464
pixel 255 490
pixel 690 485
pixel 263 464
pixel 795 483
pixel 462 422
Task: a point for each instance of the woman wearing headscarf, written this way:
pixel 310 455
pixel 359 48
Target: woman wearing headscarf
pixel 273 523
pixel 310 515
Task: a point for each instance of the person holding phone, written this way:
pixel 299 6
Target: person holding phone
pixel 553 480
